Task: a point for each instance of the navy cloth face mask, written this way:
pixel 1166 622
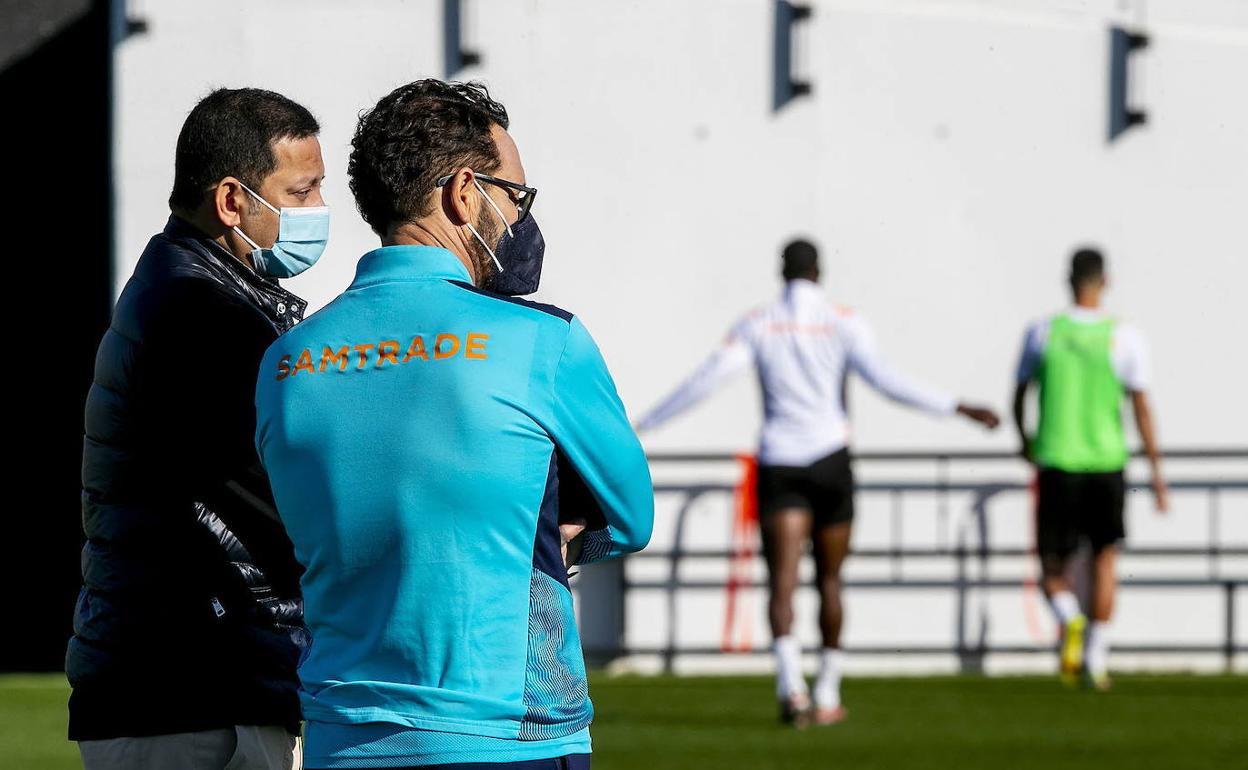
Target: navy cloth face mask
pixel 518 255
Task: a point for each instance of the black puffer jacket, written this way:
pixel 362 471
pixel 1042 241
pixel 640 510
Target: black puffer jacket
pixel 190 616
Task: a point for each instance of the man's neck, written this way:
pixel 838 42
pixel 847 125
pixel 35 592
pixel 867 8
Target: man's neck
pixel 418 234
pixel 212 229
pixel 1090 301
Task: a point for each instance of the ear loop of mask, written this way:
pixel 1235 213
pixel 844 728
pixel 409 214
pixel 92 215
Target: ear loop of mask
pixel 253 194
pixel 502 218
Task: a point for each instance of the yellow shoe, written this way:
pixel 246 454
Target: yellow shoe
pixel 1072 650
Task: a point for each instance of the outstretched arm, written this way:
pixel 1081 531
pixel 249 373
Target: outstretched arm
pixel 865 360
pixel 725 363
pixel 1144 423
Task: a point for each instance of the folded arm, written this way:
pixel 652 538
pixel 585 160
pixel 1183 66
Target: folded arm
pixel 604 476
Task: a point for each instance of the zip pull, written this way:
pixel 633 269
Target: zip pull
pixel 217 607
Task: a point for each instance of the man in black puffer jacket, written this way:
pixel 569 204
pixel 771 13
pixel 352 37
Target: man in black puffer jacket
pixel 189 627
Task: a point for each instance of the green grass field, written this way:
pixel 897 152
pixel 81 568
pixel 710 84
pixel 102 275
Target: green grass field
pixel 961 723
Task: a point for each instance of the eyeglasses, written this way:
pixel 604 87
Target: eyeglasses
pixel 522 197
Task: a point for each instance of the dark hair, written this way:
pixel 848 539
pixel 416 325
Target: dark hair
pixel 231 133
pixel 1086 265
pixel 414 135
pixel 800 259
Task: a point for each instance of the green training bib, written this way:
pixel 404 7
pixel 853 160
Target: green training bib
pixel 1080 400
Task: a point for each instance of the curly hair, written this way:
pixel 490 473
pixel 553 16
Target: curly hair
pixel 415 134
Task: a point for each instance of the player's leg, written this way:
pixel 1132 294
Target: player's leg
pixel 1057 588
pixel 832 498
pixel 785 523
pixel 1056 539
pixel 784 534
pixel 1104 583
pixel 831 547
pixel 1104 586
pixel 1105 529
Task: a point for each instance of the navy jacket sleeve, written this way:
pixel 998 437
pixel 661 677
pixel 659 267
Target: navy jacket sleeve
pixel 593 435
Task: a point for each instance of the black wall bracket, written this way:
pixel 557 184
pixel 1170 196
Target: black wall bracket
pixel 123 25
pixel 455 57
pixel 786 87
pixel 1121 45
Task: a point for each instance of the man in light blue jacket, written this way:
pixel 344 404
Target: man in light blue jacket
pixel 433 443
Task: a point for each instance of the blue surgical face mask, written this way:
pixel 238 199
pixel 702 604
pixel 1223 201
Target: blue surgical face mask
pixel 518 255
pixel 302 233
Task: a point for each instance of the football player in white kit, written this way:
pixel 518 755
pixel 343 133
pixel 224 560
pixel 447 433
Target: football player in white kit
pixel 804 349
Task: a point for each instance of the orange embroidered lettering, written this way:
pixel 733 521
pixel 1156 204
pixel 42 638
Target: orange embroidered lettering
pixel 388 351
pixel 283 368
pixel 363 351
pixel 417 350
pixel 304 364
pixel 475 348
pixel 440 352
pixel 328 356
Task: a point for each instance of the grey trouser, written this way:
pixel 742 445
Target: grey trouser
pixel 245 747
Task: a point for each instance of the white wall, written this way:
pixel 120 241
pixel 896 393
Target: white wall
pixel 951 156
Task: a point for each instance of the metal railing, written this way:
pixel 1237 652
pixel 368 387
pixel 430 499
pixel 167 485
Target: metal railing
pixel 970 649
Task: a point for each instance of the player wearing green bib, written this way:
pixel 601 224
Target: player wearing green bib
pixel 1084 362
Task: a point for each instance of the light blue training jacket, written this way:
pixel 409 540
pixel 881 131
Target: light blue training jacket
pixel 424 438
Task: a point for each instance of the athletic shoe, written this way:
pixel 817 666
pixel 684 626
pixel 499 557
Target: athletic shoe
pixel 1099 682
pixel 830 716
pixel 795 710
pixel 1072 650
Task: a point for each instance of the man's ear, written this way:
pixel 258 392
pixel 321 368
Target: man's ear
pixel 228 201
pixel 460 198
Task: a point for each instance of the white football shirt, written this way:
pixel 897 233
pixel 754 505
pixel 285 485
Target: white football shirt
pixel 804 349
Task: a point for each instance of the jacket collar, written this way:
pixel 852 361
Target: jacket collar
pixel 802 289
pixel 178 229
pixel 1086 314
pixel 408 263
